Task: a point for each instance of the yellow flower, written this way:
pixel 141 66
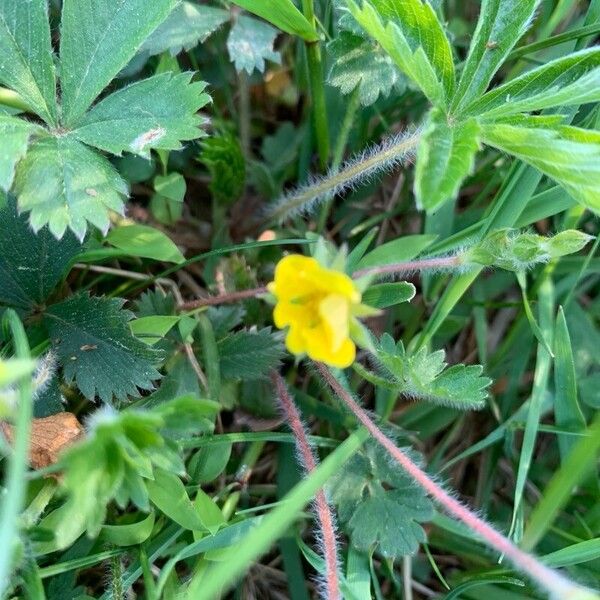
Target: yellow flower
pixel 317 305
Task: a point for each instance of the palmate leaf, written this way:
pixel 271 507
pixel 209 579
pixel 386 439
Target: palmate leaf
pixel 359 62
pixel 26 55
pixel 569 80
pixel 250 44
pixel 249 355
pixel 410 32
pixel 186 26
pixel 445 157
pixel 569 155
pixel 378 504
pixel 97 40
pixel 97 350
pixel 143 116
pixel 65 184
pixel 31 265
pixel 424 375
pixel 501 25
pixel 15 134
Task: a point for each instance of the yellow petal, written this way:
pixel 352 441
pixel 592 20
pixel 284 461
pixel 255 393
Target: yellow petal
pixel 335 312
pixel 294 341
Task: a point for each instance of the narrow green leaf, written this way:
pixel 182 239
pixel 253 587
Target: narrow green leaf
pixel 574 555
pixel 412 35
pixel 250 44
pixel 25 47
pixel 129 534
pixel 398 250
pixel 15 134
pixel 65 184
pixel 567 413
pixel 446 155
pixel 152 329
pixel 483 580
pixel 535 328
pixel 211 514
pixel 145 241
pixel 283 14
pixel 569 155
pixel 383 295
pixel 186 26
pixel 155 113
pixel 97 40
pixel 565 81
pixel 501 25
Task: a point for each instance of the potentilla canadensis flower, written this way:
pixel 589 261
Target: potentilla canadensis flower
pixel 318 306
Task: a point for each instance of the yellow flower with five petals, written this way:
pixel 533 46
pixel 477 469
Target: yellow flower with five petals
pixel 317 305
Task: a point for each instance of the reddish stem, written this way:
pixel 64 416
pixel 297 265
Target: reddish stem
pixel 309 460
pixel 546 578
pixel 223 298
pixel 444 262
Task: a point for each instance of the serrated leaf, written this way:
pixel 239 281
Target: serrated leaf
pixel 97 40
pixel 144 116
pixel 145 241
pixel 186 26
pixel 566 81
pixel 249 354
pixel 97 350
pixel 410 32
pixel 283 14
pixel 425 375
pixel 65 184
pixel 26 50
pixel 446 155
pixel 501 25
pixel 250 44
pixel 569 155
pixel 31 265
pixel 358 62
pixel 224 159
pixel 379 505
pixel 15 134
pixel 518 251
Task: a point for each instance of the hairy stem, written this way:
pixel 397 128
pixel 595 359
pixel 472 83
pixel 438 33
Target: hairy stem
pixel 553 582
pixel 445 262
pixel 223 298
pixel 309 460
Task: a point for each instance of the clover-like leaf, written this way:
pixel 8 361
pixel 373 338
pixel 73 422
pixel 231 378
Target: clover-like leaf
pixel 379 505
pixel 424 375
pixel 65 184
pixel 143 116
pixel 31 266
pixel 97 350
pixel 250 44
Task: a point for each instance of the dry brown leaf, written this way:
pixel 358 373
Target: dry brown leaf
pixel 49 436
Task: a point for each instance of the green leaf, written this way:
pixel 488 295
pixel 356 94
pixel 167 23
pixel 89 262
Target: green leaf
pixel 186 26
pixel 128 534
pixel 155 113
pixel 168 494
pixel 567 413
pixel 97 350
pixel 410 32
pixel 25 47
pixel 66 185
pixel 398 250
pixel 446 155
pixel 145 241
pixel 501 25
pixel 167 203
pixel 565 81
pixel 31 266
pixel 589 388
pixel 249 354
pixel 283 14
pixel 518 251
pixel 569 155
pixel 250 43
pixel 14 369
pixel 359 62
pixel 152 329
pixel 425 375
pixel 224 159
pixel 97 40
pixel 383 295
pixel 379 505
pixel 212 517
pixel 15 134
